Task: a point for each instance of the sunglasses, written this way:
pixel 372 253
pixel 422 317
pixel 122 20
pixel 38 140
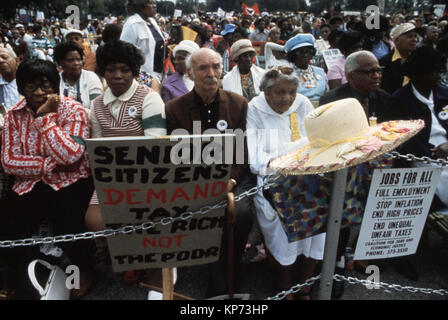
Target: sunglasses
pixel 276 71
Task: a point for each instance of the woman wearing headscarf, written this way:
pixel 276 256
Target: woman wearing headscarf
pixel 312 80
pixel 281 110
pixel 179 83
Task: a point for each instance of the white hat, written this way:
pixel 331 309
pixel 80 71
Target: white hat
pixel 71 31
pixel 339 136
pixel 186 45
pixel 402 29
pixel 19 25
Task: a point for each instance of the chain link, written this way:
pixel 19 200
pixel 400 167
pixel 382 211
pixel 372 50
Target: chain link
pixel 268 182
pixel 294 289
pixel 412 158
pixel 389 287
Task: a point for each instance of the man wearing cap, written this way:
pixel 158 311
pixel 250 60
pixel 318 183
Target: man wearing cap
pixel 245 78
pixel 405 40
pixel 214 108
pixel 179 83
pixel 260 34
pixel 89 56
pixel 224 45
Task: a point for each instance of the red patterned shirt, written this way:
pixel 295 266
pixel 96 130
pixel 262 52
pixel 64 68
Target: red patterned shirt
pixel 32 148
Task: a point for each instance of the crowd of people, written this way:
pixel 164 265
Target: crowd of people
pixel 148 75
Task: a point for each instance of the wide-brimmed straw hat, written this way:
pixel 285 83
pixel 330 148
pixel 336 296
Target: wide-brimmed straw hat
pixel 338 135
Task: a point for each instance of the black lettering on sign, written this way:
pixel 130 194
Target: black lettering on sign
pixel 104 152
pixel 152 156
pixel 160 177
pixel 222 169
pixel 120 156
pixel 101 174
pixel 179 175
pixel 139 212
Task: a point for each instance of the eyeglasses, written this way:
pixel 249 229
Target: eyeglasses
pixel 31 87
pixel 371 71
pixel 276 71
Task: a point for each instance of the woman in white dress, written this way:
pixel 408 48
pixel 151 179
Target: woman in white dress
pixel 275 122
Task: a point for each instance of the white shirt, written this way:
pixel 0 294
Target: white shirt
pixel 232 80
pixel 90 86
pixel 438 134
pixel 10 92
pixel 188 82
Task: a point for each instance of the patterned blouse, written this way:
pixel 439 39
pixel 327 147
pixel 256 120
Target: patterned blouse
pixel 33 147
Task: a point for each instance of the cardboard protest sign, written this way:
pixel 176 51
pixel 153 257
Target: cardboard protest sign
pixel 330 56
pixel 137 181
pixel 396 212
pixel 439 10
pixel 177 13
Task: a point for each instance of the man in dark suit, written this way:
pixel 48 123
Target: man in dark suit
pixel 214 108
pixel 364 76
pixel 405 40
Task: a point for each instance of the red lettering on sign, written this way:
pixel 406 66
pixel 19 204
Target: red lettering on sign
pixel 110 198
pixel 161 194
pixel 198 191
pixel 164 242
pixel 179 193
pixel 130 194
pixel 218 188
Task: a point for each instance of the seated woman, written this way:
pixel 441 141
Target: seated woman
pixel 424 98
pixel 126 108
pixel 43 149
pixel 82 85
pixel 179 83
pixel 279 108
pixel 312 80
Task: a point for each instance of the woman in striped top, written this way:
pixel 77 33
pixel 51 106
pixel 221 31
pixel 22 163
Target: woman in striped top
pixel 126 108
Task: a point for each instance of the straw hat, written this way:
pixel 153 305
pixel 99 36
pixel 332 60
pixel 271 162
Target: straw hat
pixel 339 136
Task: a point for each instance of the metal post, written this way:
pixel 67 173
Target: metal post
pixel 332 236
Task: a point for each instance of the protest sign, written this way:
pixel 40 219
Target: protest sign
pixel 221 13
pixel 136 182
pixel 330 56
pixel 40 16
pixel 177 13
pixel 439 10
pixel 396 212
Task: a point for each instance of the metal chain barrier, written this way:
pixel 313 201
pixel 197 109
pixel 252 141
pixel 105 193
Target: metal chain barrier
pixel 412 158
pixel 294 289
pixel 388 287
pixel 269 181
pixel 351 280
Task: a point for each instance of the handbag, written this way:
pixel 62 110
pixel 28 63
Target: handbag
pixel 302 202
pixel 48 280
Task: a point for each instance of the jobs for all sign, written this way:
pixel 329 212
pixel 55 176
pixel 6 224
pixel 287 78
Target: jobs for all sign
pixel 396 212
pixel 137 182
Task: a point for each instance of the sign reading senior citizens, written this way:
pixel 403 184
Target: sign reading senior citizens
pixel 140 180
pixel 396 212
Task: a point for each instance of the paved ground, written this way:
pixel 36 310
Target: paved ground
pixel 432 264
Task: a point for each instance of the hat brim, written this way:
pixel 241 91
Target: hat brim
pixel 302 45
pixel 243 51
pixel 328 161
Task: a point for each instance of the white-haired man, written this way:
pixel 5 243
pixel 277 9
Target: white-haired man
pixel 364 76
pixel 9 95
pixel 218 109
